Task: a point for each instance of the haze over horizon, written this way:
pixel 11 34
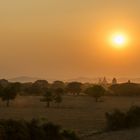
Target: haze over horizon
pixel 66 39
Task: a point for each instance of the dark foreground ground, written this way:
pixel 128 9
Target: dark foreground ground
pixel 81 114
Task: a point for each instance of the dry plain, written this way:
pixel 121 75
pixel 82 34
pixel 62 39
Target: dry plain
pixel 79 113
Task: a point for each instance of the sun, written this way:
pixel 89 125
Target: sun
pixel 119 40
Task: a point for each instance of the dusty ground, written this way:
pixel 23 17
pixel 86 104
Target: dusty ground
pixel 133 134
pixel 81 114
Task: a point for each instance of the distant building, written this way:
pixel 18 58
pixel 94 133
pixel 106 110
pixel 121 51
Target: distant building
pixel 104 82
pixel 100 81
pixel 114 81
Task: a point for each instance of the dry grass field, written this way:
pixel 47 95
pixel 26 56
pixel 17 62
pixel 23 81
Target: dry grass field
pixel 81 114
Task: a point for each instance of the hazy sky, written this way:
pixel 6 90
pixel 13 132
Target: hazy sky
pixel 68 38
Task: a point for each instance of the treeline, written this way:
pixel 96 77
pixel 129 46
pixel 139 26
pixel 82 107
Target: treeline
pixel 75 88
pixel 125 89
pixel 55 91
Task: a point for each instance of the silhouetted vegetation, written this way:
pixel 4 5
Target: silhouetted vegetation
pixel 58 84
pixel 48 97
pixel 74 88
pixel 118 120
pixel 115 120
pixel 126 89
pixel 58 92
pixel 51 95
pixel 38 87
pixel 96 92
pixel 33 130
pixel 9 92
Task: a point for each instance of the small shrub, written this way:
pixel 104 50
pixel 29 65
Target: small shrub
pixel 69 135
pixel 118 120
pixel 17 130
pixel 52 131
pixel 35 130
pixel 133 117
pixel 115 120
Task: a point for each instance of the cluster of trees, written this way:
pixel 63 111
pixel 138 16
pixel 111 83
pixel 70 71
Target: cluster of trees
pixel 51 95
pixel 50 92
pixel 125 89
pixel 33 130
pixel 117 119
pixel 39 87
pixel 53 92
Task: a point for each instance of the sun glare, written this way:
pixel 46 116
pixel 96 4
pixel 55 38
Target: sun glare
pixel 119 40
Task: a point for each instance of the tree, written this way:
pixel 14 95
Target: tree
pixel 1 90
pixel 96 91
pixel 48 97
pixel 39 87
pixel 10 92
pixel 58 99
pixel 58 84
pixel 74 88
pixel 58 95
pixel 26 88
pixel 4 83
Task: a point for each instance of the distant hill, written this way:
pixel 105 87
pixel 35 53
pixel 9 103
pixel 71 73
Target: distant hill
pixel 84 79
pixel 133 80
pixel 109 79
pixel 23 79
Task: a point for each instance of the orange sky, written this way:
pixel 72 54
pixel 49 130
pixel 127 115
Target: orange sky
pixel 68 38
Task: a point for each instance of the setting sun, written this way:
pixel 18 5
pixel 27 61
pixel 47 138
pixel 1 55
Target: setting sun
pixel 119 39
